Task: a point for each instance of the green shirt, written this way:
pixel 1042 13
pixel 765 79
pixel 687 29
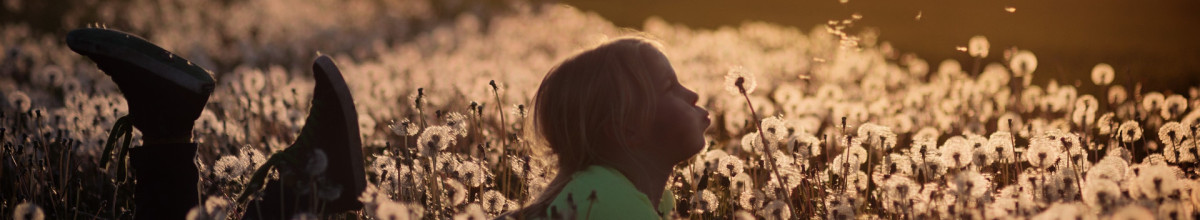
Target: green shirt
pixel 615 198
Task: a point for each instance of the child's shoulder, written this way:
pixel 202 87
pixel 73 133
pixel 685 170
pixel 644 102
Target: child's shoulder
pixel 601 193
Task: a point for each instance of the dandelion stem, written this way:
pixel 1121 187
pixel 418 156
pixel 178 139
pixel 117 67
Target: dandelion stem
pixel 770 156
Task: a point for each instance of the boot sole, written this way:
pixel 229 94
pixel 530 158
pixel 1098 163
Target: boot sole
pixel 136 51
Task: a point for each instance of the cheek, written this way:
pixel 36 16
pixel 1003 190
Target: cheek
pixel 679 125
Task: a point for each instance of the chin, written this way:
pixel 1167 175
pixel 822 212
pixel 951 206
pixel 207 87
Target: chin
pixel 695 148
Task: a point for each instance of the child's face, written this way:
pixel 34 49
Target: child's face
pixel 677 131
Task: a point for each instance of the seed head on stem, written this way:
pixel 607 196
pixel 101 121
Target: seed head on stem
pixel 740 82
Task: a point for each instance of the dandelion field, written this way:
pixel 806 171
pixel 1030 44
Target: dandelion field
pixel 843 124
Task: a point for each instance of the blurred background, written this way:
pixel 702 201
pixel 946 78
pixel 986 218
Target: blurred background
pixel 1153 41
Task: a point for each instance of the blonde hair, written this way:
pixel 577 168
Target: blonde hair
pixel 585 104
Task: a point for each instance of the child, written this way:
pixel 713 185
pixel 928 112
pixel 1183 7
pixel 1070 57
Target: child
pixel 619 120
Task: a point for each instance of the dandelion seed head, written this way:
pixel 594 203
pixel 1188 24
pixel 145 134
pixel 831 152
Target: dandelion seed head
pixel 1130 131
pixel 1043 153
pixel 971 184
pixel 453 191
pixel 396 210
pixel 741 183
pixel 956 152
pixel 252 157
pixel 730 166
pixel 751 199
pixel 900 188
pixel 1133 211
pixel 705 202
pixel 1062 210
pixel 457 123
pixel 229 168
pixel 495 203
pixel 736 121
pixel 404 127
pixel 1101 193
pixel 1152 101
pixel 48 76
pixel 472 174
pixel 806 145
pixel 1173 105
pixel 435 139
pixel 743 215
pixel 752 142
pixel 787 93
pixel 1002 143
pixel 738 81
pixel 777 209
pixel 978 46
pixel 1103 74
pixel 217 207
pixel 28 211
pixel 1156 181
pixel 384 165
pixel 472 212
pixel 1023 63
pixel 858 152
pixel 19 101
pixel 775 129
pixel 1117 94
pixel 1173 134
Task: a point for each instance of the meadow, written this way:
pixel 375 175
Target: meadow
pixel 843 126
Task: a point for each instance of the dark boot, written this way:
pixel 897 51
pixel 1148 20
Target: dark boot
pixel 330 138
pixel 165 94
pixel 166 180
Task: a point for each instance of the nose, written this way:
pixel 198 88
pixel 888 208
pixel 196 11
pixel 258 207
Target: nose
pixel 693 97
